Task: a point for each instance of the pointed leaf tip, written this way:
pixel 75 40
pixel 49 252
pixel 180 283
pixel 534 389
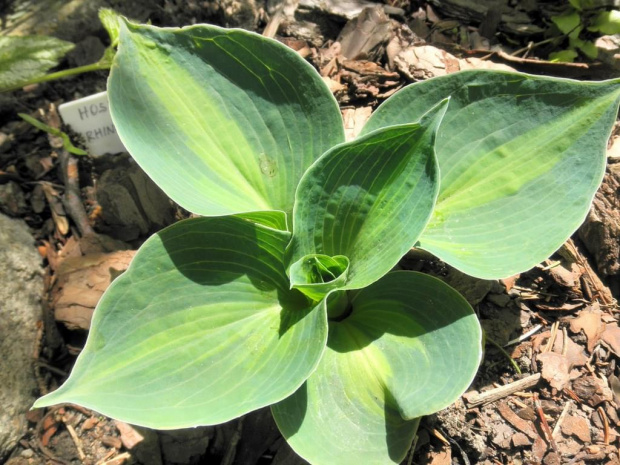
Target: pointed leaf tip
pixel 520 158
pixel 200 329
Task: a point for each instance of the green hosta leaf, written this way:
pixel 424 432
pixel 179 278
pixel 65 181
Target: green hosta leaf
pixel 369 199
pixel 410 347
pixel 273 220
pixel 200 329
pixel 520 159
pixel 26 58
pixel 224 121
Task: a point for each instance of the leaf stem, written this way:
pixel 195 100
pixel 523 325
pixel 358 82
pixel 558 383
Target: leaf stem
pixel 501 349
pixel 338 306
pixel 104 63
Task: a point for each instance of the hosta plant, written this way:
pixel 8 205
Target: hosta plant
pixel 282 290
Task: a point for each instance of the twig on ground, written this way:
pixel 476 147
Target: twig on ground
pixel 440 436
pixel 43 364
pixel 565 410
pixel 474 399
pixel 544 424
pixel 76 440
pixel 523 337
pixel 603 416
pixel 119 458
pixel 71 199
pixel 572 395
pixel 551 341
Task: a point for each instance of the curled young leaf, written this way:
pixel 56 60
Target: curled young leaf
pixel 520 159
pixel 317 275
pixel 369 199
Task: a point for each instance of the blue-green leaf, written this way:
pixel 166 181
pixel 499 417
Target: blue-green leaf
pixel 369 199
pixel 410 347
pixel 520 158
pixel 201 328
pixel 225 121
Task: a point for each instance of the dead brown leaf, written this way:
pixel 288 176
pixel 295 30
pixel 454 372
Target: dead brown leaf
pixel 521 440
pixel 589 321
pixel 564 276
pixel 516 421
pixel 539 448
pixel 510 282
pixel 80 283
pixel 611 337
pixel 555 369
pixel 573 351
pixel 592 390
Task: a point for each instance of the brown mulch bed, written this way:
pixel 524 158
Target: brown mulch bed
pixel 547 391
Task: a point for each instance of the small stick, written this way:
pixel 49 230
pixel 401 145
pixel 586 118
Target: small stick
pixel 120 457
pixel 551 341
pixel 603 416
pixel 505 354
pixel 518 403
pixel 564 341
pixel 440 436
pixel 76 440
pixel 43 364
pixel 492 395
pixel 572 395
pixel 543 421
pixel 565 410
pixel 523 337
pixel 110 453
pixel 72 198
pixel 546 294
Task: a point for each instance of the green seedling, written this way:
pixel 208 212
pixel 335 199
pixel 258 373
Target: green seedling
pixel 66 141
pixel 26 60
pixel 283 292
pixel 581 23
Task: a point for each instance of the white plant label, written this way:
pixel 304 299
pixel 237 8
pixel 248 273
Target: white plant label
pixel 90 117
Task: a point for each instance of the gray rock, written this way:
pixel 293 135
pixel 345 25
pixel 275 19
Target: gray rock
pixel 21 287
pixel 131 204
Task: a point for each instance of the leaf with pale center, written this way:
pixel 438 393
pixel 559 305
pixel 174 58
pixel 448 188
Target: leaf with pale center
pixel 224 121
pixel 201 328
pixel 369 199
pixel 520 159
pixel 410 347
pixel 25 58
